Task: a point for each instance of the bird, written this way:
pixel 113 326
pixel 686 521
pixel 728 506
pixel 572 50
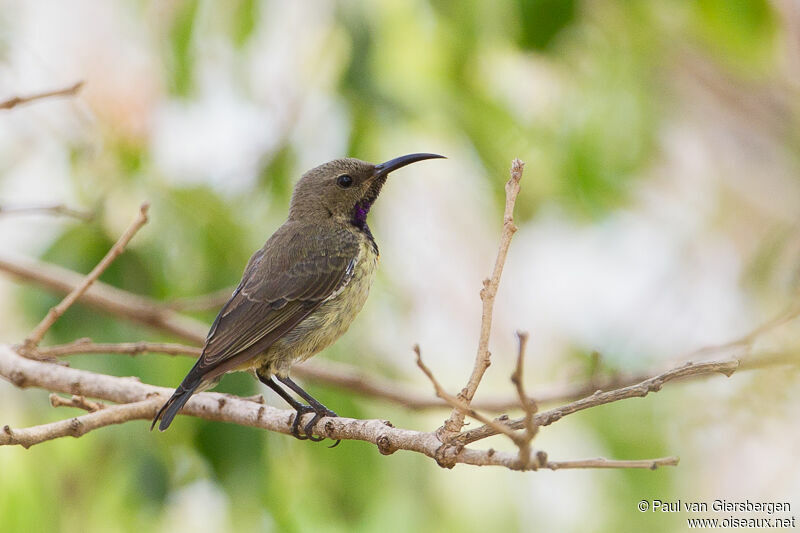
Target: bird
pixel 301 291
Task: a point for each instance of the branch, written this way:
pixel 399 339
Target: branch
pixel 488 293
pixel 55 313
pixel 650 464
pixel 639 390
pixel 746 341
pixel 20 100
pixel 79 425
pixel 56 209
pixel 141 400
pixel 528 406
pixel 76 401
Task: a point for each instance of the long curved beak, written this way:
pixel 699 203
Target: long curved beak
pixel 399 162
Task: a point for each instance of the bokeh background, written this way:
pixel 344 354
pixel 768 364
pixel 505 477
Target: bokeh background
pixel 659 213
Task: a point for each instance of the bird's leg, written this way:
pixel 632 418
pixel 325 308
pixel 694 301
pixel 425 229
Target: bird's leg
pixel 320 410
pixel 298 407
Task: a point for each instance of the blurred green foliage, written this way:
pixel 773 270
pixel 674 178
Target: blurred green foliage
pixel 418 66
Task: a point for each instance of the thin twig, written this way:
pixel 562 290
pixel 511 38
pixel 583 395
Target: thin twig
pixel 20 100
pixel 488 293
pixel 79 425
pixel 458 403
pixel 77 401
pixel 639 390
pixel 527 404
pixel 599 462
pixel 35 337
pixel 56 209
pixel 746 341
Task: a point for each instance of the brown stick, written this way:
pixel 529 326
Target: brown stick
pixel 650 464
pixel 76 401
pixel 746 341
pixel 488 293
pixel 55 313
pixel 20 100
pixel 79 425
pixel 529 406
pixel 56 209
pixel 639 390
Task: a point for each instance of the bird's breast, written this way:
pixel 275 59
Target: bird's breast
pixel 331 319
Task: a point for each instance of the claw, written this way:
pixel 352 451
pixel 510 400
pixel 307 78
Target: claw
pixel 309 428
pixel 301 410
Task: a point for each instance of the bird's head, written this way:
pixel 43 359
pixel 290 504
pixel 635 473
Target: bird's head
pixel 344 188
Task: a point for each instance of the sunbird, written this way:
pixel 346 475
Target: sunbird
pixel 301 291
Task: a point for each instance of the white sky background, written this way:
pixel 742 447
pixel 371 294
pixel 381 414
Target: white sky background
pixel 661 277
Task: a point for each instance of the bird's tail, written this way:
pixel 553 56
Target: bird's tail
pixel 174 404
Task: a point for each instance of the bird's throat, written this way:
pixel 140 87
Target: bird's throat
pixel 360 212
pixel 362 207
pixel 359 220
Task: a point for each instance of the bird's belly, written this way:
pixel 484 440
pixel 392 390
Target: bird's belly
pixel 325 325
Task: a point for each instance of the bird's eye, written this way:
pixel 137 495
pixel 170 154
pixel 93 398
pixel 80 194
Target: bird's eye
pixel 344 181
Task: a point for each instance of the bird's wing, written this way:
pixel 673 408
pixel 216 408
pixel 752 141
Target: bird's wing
pixel 296 271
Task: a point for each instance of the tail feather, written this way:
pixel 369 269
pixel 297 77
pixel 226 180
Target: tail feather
pixel 173 405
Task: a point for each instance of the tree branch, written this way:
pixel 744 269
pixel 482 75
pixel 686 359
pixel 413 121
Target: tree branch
pixel 79 425
pixel 529 406
pixel 20 100
pixel 650 464
pixel 488 293
pixel 639 390
pixel 76 401
pixel 56 209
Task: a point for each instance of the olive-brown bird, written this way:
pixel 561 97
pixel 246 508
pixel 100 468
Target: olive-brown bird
pixel 300 292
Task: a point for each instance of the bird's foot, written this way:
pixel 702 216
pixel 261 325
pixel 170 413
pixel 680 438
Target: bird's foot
pixel 300 411
pixel 309 428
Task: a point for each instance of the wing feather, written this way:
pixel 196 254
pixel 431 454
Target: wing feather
pixel 296 271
